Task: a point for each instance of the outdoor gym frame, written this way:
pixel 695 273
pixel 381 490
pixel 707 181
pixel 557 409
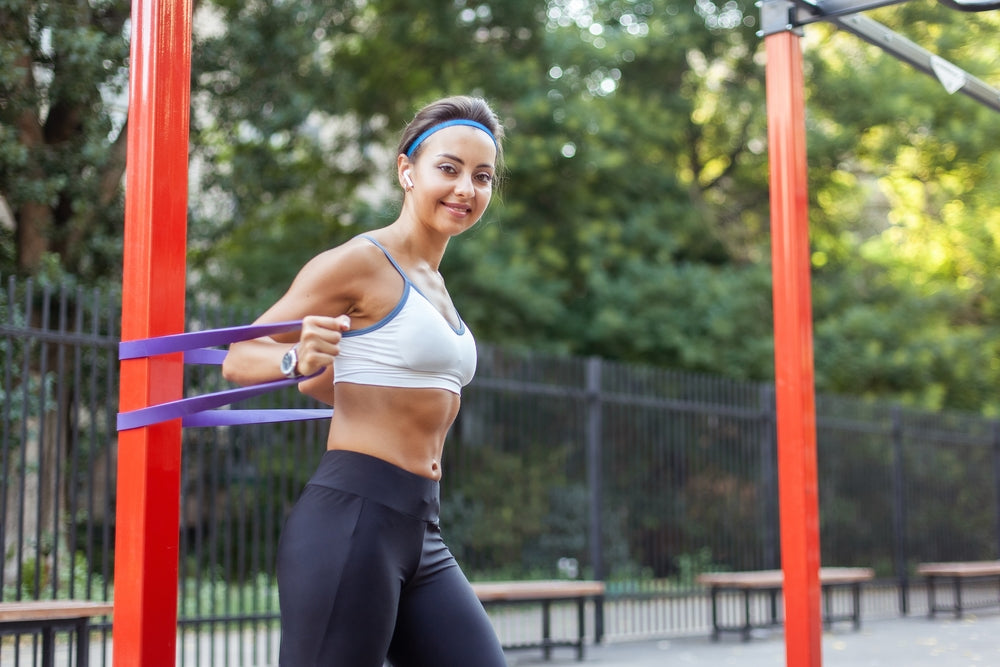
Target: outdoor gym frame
pixel 798 502
pixel 149 458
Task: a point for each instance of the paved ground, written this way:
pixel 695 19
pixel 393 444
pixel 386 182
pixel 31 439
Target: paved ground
pixel 915 641
pixel 906 642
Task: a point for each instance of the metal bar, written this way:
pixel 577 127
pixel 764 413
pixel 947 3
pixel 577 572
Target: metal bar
pixel 958 597
pixel 82 643
pixel 154 265
pixel 769 480
pixel 971 5
pixel 996 483
pixel 953 78
pixel 899 509
pixel 547 629
pixel 821 10
pixel 42 473
pixel 7 349
pixel 25 396
pixel 747 624
pixel 856 601
pixel 593 436
pixel 91 353
pixel 788 15
pixel 110 320
pixel 43 336
pixel 796 423
pixel 48 646
pixel 73 435
pixel 62 393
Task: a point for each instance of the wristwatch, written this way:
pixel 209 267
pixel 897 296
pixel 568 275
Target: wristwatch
pixel 290 363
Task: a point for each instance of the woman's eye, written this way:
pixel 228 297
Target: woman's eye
pixel 485 178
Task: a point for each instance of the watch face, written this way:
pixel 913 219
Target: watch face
pixel 288 362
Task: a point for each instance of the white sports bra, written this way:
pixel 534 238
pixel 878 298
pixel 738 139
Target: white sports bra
pixel 412 346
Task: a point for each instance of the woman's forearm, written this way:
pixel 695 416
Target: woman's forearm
pixel 254 361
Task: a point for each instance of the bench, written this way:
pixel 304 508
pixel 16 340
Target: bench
pixel 956 573
pixel 770 582
pixel 545 593
pixel 48 616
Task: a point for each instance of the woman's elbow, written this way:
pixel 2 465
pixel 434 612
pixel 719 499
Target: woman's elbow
pixel 230 369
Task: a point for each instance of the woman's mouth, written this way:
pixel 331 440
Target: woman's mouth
pixel 462 209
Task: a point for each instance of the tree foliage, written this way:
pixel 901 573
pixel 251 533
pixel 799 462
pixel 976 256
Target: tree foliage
pixel 906 232
pixel 632 222
pixel 62 138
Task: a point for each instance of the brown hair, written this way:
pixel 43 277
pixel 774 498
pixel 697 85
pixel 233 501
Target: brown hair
pixel 460 107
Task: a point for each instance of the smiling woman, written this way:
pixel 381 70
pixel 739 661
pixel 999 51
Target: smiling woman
pixel 363 572
pixel 455 173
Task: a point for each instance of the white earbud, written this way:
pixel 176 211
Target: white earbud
pixel 406 177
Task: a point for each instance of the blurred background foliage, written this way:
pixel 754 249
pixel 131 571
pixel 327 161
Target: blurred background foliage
pixel 632 220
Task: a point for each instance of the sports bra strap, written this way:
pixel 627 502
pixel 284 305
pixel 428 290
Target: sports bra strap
pixel 390 258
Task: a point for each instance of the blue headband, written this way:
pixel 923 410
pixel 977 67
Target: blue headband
pixel 448 123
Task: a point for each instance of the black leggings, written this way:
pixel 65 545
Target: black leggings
pixel 364 576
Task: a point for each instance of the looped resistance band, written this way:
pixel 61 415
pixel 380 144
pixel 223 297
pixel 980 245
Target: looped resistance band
pixel 204 410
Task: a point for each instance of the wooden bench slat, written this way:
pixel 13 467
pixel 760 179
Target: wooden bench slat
pixel 960 569
pixel 536 590
pixel 35 610
pixel 776 578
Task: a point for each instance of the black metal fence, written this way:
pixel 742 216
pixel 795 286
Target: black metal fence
pixel 556 467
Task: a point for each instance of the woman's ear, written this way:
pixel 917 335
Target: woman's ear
pixel 403 169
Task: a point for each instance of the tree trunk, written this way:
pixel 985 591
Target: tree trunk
pixel 34 218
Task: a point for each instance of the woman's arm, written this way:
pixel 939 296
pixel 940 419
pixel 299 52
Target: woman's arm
pixel 259 360
pixel 327 287
pixel 319 387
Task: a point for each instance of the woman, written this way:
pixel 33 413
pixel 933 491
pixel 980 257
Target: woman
pixel 363 573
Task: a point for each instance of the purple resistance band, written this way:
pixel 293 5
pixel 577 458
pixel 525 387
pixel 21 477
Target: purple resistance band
pixel 203 410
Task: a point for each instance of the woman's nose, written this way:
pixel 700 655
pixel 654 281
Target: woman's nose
pixel 464 186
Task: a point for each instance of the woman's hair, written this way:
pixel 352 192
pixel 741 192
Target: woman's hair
pixel 460 107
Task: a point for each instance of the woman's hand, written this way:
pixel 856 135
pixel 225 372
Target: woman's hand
pixel 319 341
pixel 259 360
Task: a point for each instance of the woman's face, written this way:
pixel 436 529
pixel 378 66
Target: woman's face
pixel 453 178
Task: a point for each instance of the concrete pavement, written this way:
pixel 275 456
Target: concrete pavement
pixel 973 641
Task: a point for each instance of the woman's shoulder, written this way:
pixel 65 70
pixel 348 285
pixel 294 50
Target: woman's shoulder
pixel 355 257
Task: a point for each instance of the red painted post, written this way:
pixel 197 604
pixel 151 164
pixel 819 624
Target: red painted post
pixel 794 381
pixel 145 619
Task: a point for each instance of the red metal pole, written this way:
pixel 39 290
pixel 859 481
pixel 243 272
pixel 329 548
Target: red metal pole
pixel 794 381
pixel 145 619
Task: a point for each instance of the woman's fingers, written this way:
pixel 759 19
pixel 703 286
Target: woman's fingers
pixel 319 341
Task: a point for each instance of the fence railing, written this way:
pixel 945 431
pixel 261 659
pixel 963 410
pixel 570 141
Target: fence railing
pixel 557 466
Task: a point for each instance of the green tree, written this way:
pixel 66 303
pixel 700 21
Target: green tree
pixel 639 200
pixel 905 231
pixel 302 106
pixel 62 136
pixel 633 220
